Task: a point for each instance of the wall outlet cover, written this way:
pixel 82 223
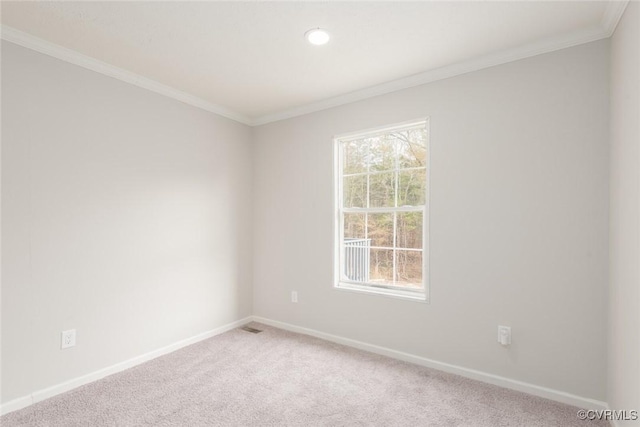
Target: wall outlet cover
pixel 504 335
pixel 68 339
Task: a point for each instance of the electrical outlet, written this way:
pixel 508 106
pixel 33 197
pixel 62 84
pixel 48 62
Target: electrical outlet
pixel 294 296
pixel 504 335
pixel 68 339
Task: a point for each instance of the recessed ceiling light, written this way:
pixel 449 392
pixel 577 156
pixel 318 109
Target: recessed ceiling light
pixel 317 36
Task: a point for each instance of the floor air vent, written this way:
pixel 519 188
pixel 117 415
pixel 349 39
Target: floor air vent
pixel 250 329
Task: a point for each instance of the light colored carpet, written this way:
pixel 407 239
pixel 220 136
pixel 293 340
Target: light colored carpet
pixel 278 378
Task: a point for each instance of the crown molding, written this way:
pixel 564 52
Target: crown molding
pixel 612 15
pixel 31 42
pixel 610 19
pixel 475 64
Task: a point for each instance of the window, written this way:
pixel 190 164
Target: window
pixel 382 210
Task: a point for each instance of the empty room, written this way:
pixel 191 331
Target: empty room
pixel 292 213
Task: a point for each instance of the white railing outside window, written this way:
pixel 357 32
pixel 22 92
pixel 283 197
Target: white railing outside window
pixel 356 259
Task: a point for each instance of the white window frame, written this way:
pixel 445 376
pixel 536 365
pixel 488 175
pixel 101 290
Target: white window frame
pixel 421 295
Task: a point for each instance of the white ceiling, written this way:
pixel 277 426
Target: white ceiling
pixel 250 61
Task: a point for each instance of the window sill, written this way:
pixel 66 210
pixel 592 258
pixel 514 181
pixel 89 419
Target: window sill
pixel 392 293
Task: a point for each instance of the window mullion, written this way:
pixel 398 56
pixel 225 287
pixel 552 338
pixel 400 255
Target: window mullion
pixel 381 172
pixel 385 210
pixel 395 217
pixel 366 215
pixel 396 177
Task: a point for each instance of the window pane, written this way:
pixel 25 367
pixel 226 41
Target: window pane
pixel 409 230
pixel 382 190
pixel 411 187
pixel 412 150
pixel 381 266
pixel 355 157
pixel 354 226
pixel 382 153
pixel 409 269
pixel 380 229
pixel 355 191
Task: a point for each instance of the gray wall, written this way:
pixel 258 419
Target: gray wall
pixel 519 218
pixel 624 306
pixel 125 215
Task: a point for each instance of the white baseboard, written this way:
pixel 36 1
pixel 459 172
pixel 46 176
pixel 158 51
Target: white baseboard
pixel 46 393
pixel 556 395
pixel 15 404
pixel 547 393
